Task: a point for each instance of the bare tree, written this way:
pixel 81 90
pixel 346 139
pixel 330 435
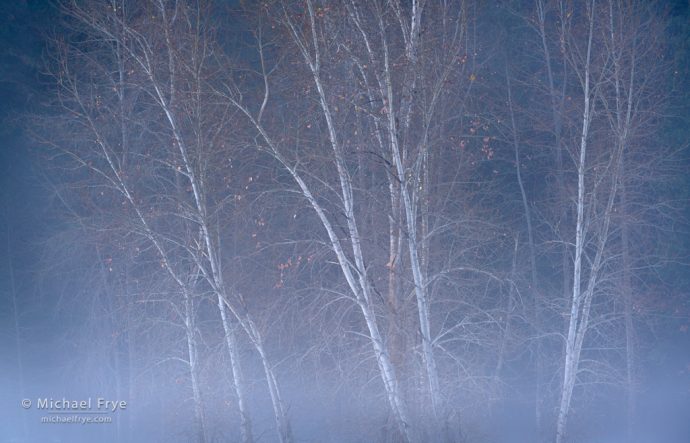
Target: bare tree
pixel 614 90
pixel 373 198
pixel 386 81
pixel 113 159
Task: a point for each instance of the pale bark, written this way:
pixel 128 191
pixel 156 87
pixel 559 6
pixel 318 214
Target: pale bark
pixel 131 42
pixel 237 375
pixel 406 181
pixel 214 272
pixel 359 285
pixel 575 325
pixel 354 274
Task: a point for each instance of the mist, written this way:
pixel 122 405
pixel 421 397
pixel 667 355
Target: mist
pixel 345 221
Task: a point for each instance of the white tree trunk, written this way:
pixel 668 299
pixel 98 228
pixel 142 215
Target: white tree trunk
pixel 575 328
pixel 237 375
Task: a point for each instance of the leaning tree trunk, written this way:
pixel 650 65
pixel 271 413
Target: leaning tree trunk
pixel 575 326
pixel 237 375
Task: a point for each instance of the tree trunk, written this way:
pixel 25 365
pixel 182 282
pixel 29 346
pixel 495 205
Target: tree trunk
pixel 190 331
pixel 575 327
pixel 237 375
